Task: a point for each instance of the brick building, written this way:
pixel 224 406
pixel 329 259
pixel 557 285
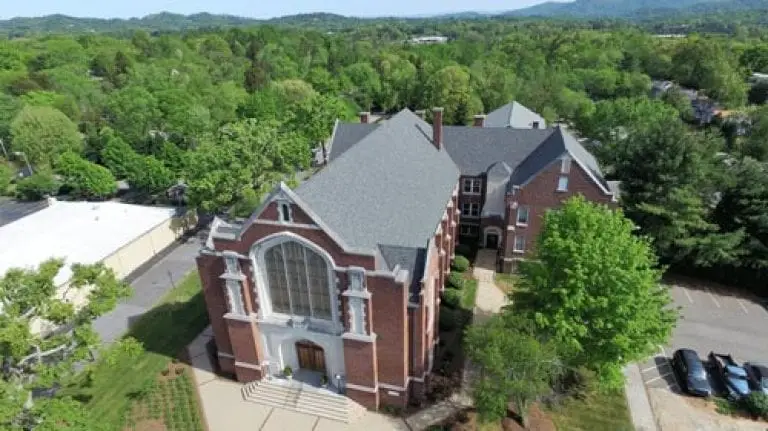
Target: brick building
pixel 342 276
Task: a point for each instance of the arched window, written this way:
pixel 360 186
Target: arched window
pixel 298 281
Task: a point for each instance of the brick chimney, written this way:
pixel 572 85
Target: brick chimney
pixel 437 127
pixel 421 113
pixel 365 117
pixel 479 120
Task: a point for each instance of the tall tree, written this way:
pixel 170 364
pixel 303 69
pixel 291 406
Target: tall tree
pixel 594 288
pixel 42 132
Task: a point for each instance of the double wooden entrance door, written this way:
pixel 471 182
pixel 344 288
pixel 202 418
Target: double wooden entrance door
pixel 311 356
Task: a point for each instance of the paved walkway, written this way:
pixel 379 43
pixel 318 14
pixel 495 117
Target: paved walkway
pixel 490 299
pixel 637 399
pixel 224 408
pixel 149 285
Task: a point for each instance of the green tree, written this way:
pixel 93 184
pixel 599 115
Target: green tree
pixel 594 288
pixel 37 186
pixel 450 88
pixel 513 365
pixel 40 359
pixel 133 112
pixel 84 178
pixel 756 145
pixel 41 132
pixel 6 176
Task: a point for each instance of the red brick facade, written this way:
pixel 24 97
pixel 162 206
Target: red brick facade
pixel 538 195
pixel 388 367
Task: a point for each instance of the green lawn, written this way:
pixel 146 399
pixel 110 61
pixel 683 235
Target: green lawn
pixel 164 331
pixel 505 282
pixel 468 294
pixel 597 412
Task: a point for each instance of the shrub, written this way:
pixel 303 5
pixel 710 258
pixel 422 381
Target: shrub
pixel 463 250
pixel 37 186
pixel 448 319
pixel 756 404
pixel 455 280
pixel 6 175
pixel 451 298
pixel 460 263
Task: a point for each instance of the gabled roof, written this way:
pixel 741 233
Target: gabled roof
pixel 557 144
pixel 391 188
pixel 514 115
pixel 345 135
pixel 475 149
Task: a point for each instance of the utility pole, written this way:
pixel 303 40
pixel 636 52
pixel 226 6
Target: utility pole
pixel 24 155
pixel 5 152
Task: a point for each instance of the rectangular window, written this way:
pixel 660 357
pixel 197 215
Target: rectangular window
pixel 468 230
pixel 562 184
pixel 233 266
pixel 472 186
pixel 519 244
pixel 565 166
pixel 522 215
pixel 430 301
pixel 470 209
pixel 235 294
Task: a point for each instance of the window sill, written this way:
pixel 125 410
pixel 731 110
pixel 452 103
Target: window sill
pixel 518 251
pixel 359 337
pixel 521 224
pixel 364 294
pixel 561 191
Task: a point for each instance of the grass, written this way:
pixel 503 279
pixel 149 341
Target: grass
pixel 505 282
pixel 171 401
pixel 596 412
pixel 111 389
pixel 468 294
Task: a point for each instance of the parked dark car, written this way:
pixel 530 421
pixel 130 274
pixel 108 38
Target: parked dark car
pixel 758 376
pixel 691 373
pixel 732 375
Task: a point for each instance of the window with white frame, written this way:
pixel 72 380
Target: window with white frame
pixel 470 209
pixel 430 303
pixel 468 230
pixel 522 215
pixel 235 295
pixel 284 210
pixel 562 184
pixel 565 165
pixel 298 281
pixel 233 266
pixel 519 244
pixel 472 186
pixel 356 315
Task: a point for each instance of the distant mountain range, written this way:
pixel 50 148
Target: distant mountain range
pixel 165 21
pixel 636 8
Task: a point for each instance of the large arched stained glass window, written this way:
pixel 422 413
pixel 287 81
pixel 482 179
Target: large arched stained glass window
pixel 298 281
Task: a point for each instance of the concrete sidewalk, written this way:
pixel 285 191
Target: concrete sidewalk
pixel 224 408
pixel 637 399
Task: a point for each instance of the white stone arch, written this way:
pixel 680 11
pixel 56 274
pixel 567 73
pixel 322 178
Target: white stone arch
pixel 491 230
pixel 257 252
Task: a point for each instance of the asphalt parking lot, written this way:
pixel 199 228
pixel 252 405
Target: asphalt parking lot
pixel 713 319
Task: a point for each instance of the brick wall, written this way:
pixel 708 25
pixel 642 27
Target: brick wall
pixel 540 195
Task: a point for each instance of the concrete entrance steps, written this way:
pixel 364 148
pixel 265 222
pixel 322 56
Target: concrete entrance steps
pixel 302 398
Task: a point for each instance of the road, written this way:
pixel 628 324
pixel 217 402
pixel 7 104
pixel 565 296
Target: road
pixel 150 283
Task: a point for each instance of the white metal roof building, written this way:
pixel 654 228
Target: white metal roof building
pixel 122 236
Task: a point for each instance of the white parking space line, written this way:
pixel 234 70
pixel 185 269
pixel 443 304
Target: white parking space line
pixel 658 378
pixel 709 292
pixel 648 369
pixel 743 307
pixel 687 295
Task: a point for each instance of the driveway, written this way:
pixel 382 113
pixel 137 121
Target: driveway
pixel 150 283
pixel 713 319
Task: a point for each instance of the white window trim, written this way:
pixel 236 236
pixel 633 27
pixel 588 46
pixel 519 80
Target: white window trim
pixel 560 187
pixel 527 215
pixel 235 289
pixel 515 245
pixel 565 165
pixel 471 205
pixel 282 206
pixel 472 182
pixel 262 284
pixel 430 304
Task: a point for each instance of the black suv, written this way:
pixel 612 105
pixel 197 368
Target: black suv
pixel 691 373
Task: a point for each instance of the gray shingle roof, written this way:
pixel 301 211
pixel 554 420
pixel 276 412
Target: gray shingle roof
pixel 346 135
pixel 390 188
pixel 475 149
pixel 514 115
pixel 408 258
pixel 557 144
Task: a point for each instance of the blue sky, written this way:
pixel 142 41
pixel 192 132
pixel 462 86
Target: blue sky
pixel 250 8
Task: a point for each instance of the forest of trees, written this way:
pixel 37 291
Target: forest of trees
pixel 232 111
